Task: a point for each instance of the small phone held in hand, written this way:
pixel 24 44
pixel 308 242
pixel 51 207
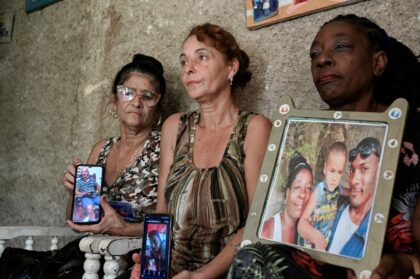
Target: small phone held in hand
pixel 86 208
pixel 155 257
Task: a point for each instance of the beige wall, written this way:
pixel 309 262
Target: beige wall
pixel 56 73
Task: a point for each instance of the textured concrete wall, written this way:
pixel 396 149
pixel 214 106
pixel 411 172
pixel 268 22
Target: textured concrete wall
pixel 56 73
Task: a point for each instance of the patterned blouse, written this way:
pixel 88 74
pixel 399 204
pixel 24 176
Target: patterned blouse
pixel 134 193
pixel 208 205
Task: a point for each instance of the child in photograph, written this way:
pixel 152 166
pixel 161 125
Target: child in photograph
pixel 318 217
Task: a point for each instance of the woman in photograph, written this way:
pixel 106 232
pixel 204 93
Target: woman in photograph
pixel 282 227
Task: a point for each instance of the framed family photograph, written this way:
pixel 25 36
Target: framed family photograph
pixel 260 13
pixel 326 183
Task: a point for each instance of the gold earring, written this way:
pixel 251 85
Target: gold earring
pixel 113 113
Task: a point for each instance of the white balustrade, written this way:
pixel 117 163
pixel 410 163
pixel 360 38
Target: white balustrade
pixel 8 233
pixel 113 248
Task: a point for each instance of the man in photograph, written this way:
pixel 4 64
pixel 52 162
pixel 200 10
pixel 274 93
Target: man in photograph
pixel 352 221
pixel 86 190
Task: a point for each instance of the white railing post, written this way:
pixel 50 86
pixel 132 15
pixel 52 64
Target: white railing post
pixel 2 247
pixel 29 243
pixel 54 243
pixel 91 266
pixel 111 267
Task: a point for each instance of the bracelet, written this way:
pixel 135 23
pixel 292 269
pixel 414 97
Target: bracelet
pixel 415 261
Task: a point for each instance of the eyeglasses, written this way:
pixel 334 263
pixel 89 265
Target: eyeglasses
pixel 127 94
pixel 364 151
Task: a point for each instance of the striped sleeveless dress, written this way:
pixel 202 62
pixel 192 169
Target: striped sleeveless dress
pixel 208 205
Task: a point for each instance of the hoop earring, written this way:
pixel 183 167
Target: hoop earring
pixel 113 113
pixel 230 81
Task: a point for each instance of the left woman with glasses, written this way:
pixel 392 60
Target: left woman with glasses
pixel 131 160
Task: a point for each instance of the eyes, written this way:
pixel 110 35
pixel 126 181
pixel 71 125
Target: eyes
pixel 127 94
pixel 333 171
pixel 298 188
pixel 338 47
pixel 201 56
pixel 362 169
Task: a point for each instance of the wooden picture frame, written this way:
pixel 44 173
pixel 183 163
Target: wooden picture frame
pixel 33 5
pixel 261 13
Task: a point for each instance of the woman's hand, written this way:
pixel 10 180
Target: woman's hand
pixel 135 272
pixel 186 274
pixel 393 266
pixel 68 177
pixel 111 223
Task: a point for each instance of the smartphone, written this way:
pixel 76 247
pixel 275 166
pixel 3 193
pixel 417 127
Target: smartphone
pixel 88 181
pixel 155 257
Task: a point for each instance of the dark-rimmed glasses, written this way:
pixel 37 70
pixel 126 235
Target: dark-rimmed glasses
pixel 127 94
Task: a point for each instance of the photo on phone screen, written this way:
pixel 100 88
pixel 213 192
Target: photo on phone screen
pixel 86 194
pixel 156 246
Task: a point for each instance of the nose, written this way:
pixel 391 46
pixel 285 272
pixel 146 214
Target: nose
pixel 324 59
pixel 189 66
pixel 354 178
pixel 302 193
pixel 137 101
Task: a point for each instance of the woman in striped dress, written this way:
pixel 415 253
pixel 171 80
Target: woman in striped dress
pixel 210 157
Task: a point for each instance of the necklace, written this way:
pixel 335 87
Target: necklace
pixel 132 159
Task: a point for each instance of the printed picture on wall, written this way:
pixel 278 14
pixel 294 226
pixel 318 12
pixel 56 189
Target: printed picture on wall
pixel 260 13
pixel 6 26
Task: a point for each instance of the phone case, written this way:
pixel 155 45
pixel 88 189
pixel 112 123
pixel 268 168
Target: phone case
pixel 86 208
pixel 156 246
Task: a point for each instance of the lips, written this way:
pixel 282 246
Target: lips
pixel 327 78
pixel 192 82
pixel 356 192
pixel 298 206
pixel 138 112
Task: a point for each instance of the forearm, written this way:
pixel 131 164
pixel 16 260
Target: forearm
pixel 221 263
pixel 129 229
pixel 307 231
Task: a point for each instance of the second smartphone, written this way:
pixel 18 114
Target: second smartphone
pixel 156 246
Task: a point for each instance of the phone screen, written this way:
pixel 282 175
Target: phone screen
pixel 86 194
pixel 156 246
